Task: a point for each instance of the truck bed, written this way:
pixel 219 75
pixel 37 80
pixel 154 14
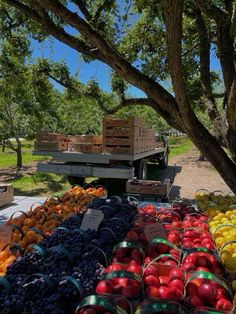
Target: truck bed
pixel 103 158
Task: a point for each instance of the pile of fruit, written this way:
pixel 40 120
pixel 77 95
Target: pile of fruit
pixel 65 266
pixel 221 210
pixel 180 273
pixel 31 227
pixel 140 260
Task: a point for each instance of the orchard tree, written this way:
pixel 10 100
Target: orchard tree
pixel 151 45
pixel 26 96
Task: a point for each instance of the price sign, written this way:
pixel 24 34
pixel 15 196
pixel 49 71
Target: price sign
pixel 5 235
pixel 92 219
pixel 155 230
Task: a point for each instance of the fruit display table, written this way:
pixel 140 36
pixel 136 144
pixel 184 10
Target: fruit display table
pixel 85 254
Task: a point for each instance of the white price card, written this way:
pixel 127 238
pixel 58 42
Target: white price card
pixel 92 219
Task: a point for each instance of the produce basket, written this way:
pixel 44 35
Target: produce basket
pixel 100 304
pixel 120 282
pixel 193 238
pixel 159 246
pixel 126 251
pixel 196 220
pixel 202 259
pixel 226 253
pixel 164 282
pixel 206 289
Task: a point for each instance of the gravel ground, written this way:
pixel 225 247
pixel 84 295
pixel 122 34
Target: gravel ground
pixel 192 175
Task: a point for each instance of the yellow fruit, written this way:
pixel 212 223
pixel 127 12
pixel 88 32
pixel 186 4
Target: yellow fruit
pixel 225 255
pixel 220 242
pixel 230 263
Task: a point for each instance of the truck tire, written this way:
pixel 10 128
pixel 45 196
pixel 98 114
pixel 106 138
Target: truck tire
pixel 163 163
pixel 140 169
pixel 73 180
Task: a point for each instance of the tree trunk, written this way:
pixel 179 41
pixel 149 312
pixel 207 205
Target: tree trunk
pixel 18 153
pixel 19 158
pixel 3 146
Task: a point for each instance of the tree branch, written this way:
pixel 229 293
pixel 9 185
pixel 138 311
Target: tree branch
pixel 233 25
pixel 205 75
pixel 211 10
pixel 224 41
pixel 83 9
pixel 114 59
pixel 54 30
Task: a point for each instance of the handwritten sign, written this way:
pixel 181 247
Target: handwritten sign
pixel 155 230
pixel 5 235
pixel 92 219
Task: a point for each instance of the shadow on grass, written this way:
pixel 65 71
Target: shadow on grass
pixel 42 183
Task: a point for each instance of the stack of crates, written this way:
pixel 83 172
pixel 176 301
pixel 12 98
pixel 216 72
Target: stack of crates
pixel 127 136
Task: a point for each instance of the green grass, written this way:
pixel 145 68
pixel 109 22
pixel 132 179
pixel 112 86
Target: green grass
pixel 8 158
pixel 179 146
pixel 40 184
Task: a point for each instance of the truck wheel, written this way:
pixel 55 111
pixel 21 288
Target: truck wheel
pixel 73 180
pixel 163 163
pixel 140 169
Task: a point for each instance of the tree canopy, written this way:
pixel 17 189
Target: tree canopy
pixel 163 47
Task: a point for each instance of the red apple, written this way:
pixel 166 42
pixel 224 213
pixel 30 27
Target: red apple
pixel 114 267
pixel 203 261
pixel 177 283
pixel 176 273
pixel 188 267
pixel 224 305
pixel 152 292
pixel 174 294
pixel 151 270
pixel 195 301
pixel 151 280
pixel 135 269
pixel 208 293
pixel 104 286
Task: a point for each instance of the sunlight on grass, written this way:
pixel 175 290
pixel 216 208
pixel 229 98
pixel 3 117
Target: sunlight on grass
pixel 40 184
pixel 9 159
pixel 179 146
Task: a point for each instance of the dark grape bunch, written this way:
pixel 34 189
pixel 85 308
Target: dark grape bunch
pixel 53 279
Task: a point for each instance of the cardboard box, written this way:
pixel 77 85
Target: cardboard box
pixel 6 194
pixel 148 187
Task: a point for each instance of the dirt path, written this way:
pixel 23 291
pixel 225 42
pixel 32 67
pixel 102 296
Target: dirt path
pixel 192 175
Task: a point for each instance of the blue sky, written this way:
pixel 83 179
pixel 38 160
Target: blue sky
pixel 57 51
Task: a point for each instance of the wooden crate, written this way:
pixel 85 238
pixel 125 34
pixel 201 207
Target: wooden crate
pixel 122 131
pixel 51 145
pixel 86 139
pixel 122 150
pixel 6 194
pixel 55 137
pixel 85 148
pixel 148 187
pixel 130 122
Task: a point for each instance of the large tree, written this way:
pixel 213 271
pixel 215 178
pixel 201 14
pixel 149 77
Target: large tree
pixel 163 42
pixel 26 95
